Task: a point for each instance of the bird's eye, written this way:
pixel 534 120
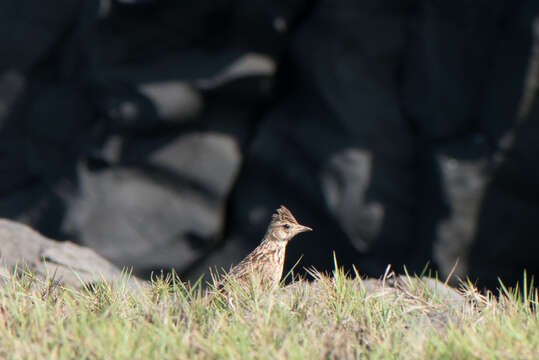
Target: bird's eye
pixel 286 226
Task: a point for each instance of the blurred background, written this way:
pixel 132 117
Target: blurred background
pixel 163 134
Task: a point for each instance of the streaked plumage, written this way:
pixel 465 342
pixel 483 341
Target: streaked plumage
pixel 267 260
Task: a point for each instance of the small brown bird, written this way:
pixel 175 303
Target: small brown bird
pixel 267 260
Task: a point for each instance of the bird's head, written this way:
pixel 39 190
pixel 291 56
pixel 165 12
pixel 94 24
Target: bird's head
pixel 284 225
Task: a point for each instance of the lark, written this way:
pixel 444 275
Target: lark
pixel 265 263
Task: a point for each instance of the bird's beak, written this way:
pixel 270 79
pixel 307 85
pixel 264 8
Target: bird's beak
pixel 302 228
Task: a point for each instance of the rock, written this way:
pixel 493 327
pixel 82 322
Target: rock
pixel 126 133
pixel 161 213
pixel 463 176
pixel 446 293
pixel 409 292
pixel 71 264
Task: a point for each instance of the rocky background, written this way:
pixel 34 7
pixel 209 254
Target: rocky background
pixel 163 134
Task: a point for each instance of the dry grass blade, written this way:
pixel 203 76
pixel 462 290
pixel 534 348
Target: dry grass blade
pixel 332 316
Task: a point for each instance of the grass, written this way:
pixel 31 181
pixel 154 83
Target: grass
pixel 335 316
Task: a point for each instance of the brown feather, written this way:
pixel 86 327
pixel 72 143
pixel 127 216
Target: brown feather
pixel 267 260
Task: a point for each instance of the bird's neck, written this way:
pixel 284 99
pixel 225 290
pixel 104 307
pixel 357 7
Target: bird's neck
pixel 271 240
pixel 273 244
pixel 275 251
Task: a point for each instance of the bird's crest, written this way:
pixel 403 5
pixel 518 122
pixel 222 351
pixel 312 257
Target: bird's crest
pixel 283 214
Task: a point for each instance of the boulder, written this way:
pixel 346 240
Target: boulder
pixel 66 262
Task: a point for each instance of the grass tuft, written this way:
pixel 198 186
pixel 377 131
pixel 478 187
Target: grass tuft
pixel 331 316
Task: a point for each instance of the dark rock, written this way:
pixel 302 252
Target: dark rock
pixel 463 171
pixel 151 133
pixel 509 213
pixel 164 212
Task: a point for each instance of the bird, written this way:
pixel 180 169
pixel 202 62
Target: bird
pixel 265 263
